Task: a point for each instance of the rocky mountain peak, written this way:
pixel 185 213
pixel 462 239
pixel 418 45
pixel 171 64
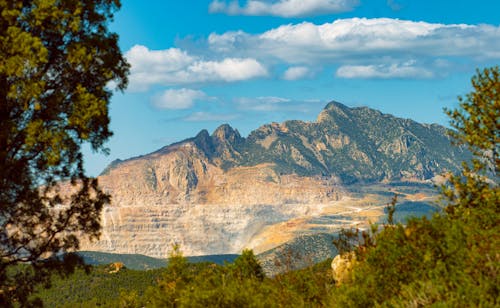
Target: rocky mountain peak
pixel 353 144
pixel 333 111
pixel 202 135
pixel 204 142
pixel 226 134
pixel 335 106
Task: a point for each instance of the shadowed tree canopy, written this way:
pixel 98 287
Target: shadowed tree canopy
pixel 56 60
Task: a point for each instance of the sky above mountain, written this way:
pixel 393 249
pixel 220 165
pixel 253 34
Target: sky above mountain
pixel 201 63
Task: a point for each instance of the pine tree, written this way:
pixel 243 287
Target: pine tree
pixel 57 59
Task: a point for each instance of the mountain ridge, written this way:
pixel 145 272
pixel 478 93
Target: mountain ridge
pixel 220 193
pixel 362 137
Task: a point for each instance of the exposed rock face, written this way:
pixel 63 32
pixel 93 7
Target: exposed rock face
pixel 342 266
pixel 213 193
pixel 182 198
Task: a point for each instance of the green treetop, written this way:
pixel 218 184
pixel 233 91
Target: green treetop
pixel 477 124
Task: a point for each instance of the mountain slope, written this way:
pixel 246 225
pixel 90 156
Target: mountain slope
pixel 354 144
pixel 220 193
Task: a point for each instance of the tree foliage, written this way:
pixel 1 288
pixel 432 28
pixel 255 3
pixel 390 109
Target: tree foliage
pixel 56 60
pixel 239 284
pixel 477 124
pixel 451 259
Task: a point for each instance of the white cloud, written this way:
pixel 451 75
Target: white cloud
pixel 307 42
pixel 296 72
pixel 169 60
pixel 202 116
pixel 176 67
pixel 231 69
pixel 405 70
pixel 358 46
pixel 262 103
pixel 283 8
pixel 380 45
pixel 227 42
pixel 178 98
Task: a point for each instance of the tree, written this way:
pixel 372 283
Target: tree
pixel 57 59
pixel 451 259
pixel 246 266
pixel 477 125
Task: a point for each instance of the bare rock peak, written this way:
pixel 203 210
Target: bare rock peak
pixel 354 144
pixel 334 105
pixel 203 134
pixel 226 133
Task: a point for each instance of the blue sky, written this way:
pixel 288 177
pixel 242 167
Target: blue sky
pixel 200 63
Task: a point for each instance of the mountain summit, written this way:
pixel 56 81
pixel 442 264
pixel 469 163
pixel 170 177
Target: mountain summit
pixel 219 193
pixel 353 144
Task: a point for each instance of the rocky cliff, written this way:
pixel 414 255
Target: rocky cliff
pixel 218 193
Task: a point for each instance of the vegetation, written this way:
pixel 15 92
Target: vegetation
pixel 183 284
pixel 140 262
pixel 96 286
pixel 451 259
pixel 57 58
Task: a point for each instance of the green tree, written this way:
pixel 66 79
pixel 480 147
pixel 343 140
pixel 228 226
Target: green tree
pixel 246 266
pixel 451 259
pixel 477 125
pixel 57 59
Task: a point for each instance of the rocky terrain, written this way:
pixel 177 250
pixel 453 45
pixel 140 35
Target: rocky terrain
pixel 220 193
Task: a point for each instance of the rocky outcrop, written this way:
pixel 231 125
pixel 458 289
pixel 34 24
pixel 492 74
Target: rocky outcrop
pixel 115 267
pixel 342 266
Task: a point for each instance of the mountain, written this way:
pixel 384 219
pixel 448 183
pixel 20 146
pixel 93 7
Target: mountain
pixel 354 144
pixel 220 193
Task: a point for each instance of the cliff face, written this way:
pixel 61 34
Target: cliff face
pixel 215 194
pixel 178 196
pixel 185 175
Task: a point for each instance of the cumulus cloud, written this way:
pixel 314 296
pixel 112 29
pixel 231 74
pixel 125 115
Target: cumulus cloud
pixel 367 43
pixel 232 69
pixel 178 98
pixel 405 70
pixel 202 116
pixel 307 42
pixel 296 72
pixel 283 8
pixel 174 66
pixel 360 47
